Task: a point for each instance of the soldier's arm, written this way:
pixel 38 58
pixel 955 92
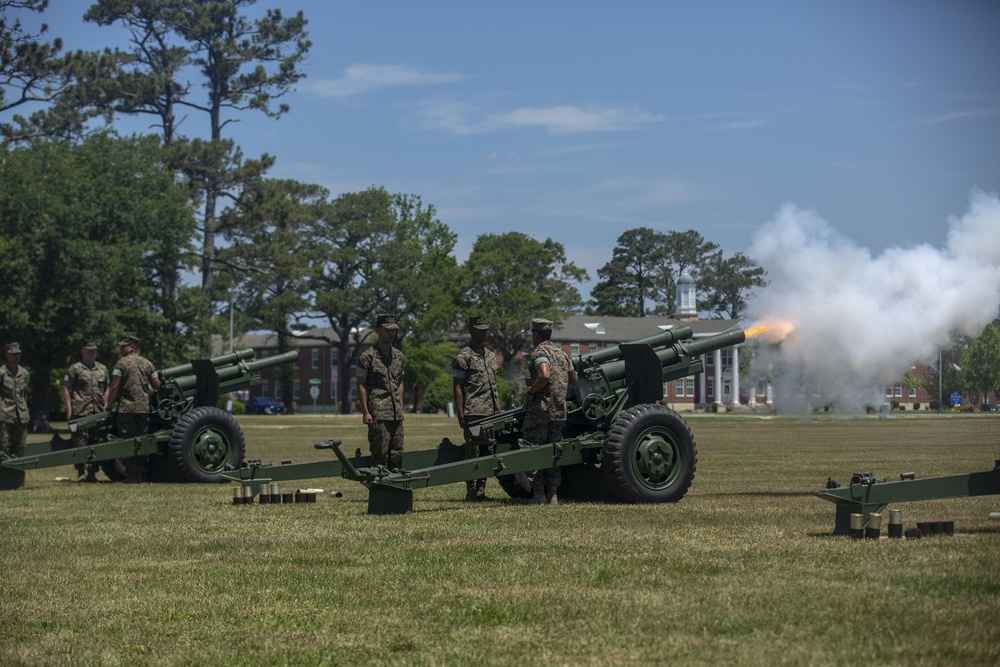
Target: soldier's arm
pixel 459 401
pixel 541 380
pixel 66 401
pixel 112 391
pixel 366 416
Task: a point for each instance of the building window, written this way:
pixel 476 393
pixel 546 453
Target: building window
pixel 295 390
pixel 710 386
pixel 709 360
pixel 898 390
pixel 888 391
pixel 727 356
pixel 574 349
pixel 315 357
pixel 333 358
pixel 666 390
pixel 912 392
pixel 689 386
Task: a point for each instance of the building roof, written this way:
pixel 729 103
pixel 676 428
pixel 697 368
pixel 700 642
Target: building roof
pixel 575 328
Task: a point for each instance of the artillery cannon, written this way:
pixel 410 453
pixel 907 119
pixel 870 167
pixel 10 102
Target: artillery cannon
pixel 189 439
pixel 619 444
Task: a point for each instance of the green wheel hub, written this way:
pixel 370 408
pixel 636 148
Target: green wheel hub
pixel 656 458
pixel 210 449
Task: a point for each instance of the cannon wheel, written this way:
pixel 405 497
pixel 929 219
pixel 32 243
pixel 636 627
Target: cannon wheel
pixel 649 455
pixel 516 485
pixel 203 443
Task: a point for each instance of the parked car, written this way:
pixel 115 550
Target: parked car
pixel 262 405
pixel 990 407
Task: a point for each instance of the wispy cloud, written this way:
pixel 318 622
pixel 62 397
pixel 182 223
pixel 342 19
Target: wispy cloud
pixel 738 125
pixel 464 118
pixel 988 112
pixel 363 78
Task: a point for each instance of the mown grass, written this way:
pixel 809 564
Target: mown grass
pixel 742 571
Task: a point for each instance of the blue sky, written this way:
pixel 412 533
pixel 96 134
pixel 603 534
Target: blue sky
pixel 580 120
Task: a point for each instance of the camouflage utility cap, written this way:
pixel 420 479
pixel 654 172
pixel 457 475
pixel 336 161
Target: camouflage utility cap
pixel 13 348
pixel 387 321
pixel 479 322
pixel 128 340
pixel 540 324
pixel 90 344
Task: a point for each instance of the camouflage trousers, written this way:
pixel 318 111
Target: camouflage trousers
pixel 475 450
pixel 80 440
pixel 13 438
pixel 130 425
pixel 538 429
pixel 385 441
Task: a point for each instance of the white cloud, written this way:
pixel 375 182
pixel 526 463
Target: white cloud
pixel 362 78
pixel 463 118
pixel 739 125
pixel 989 112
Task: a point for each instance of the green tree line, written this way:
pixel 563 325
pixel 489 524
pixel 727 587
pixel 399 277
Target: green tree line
pixel 167 235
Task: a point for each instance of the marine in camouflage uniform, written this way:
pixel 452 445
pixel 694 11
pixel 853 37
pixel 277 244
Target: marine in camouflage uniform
pixel 545 408
pixel 475 388
pixel 380 392
pixel 14 383
pixel 85 392
pixel 131 381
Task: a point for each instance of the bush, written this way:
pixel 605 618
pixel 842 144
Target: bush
pixel 438 395
pixel 238 407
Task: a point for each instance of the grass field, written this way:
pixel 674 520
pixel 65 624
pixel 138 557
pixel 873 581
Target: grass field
pixel 742 571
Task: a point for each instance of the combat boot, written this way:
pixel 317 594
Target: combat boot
pixel 481 489
pixel 553 499
pixel 539 495
pixel 80 473
pixel 91 475
pixel 470 491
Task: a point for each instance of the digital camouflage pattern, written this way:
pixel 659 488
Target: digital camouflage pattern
pixel 478 373
pixel 385 442
pixel 551 400
pixel 86 388
pixel 14 386
pixel 136 375
pixel 382 376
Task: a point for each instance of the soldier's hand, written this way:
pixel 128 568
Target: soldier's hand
pixel 367 419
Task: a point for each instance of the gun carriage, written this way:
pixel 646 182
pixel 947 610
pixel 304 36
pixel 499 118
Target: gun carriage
pixel 619 444
pixel 189 439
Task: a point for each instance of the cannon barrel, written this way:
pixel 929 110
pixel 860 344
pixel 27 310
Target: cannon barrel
pixel 679 348
pixel 222 360
pixel 668 337
pixel 237 375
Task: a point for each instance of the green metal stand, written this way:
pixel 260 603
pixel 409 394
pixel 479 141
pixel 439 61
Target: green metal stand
pixel 867 494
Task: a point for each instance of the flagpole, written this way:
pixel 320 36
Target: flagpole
pixel 940 394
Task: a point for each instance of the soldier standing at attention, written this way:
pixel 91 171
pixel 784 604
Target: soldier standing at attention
pixel 131 381
pixel 475 387
pixel 551 374
pixel 85 393
pixel 14 382
pixel 380 392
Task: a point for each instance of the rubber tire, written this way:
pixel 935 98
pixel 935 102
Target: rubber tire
pixel 203 443
pixel 516 485
pixel 649 455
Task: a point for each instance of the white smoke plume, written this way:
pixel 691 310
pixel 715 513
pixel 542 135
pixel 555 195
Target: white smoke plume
pixel 862 321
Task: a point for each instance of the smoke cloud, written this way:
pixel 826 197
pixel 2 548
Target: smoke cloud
pixel 862 321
